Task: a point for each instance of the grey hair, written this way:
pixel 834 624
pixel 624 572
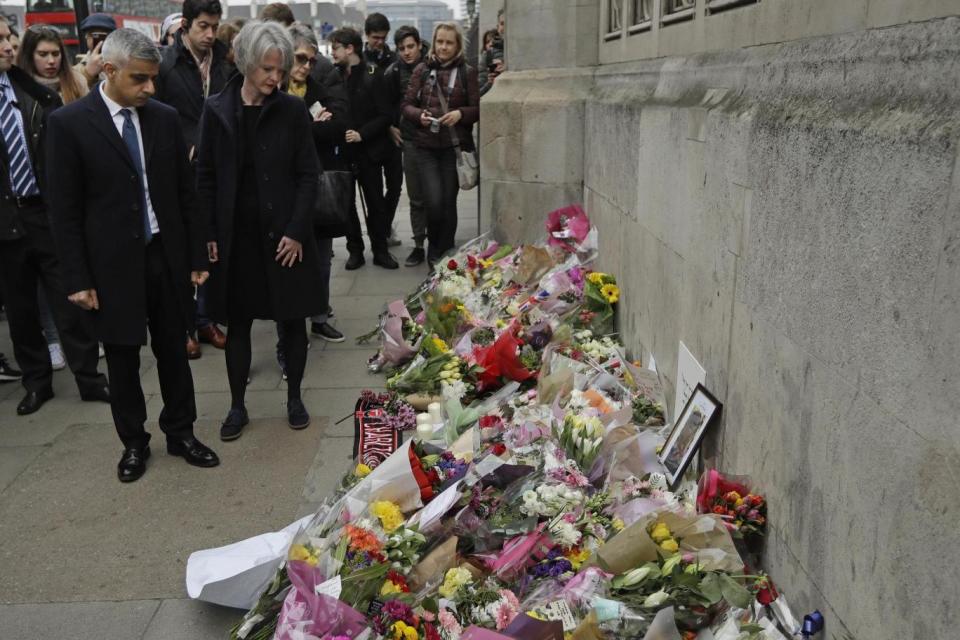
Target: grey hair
pixel 256 39
pixel 124 45
pixel 303 35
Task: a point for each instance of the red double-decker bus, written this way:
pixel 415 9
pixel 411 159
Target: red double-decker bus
pixel 142 15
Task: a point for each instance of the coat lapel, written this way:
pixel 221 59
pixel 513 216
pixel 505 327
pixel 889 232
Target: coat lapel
pixel 103 123
pixel 148 130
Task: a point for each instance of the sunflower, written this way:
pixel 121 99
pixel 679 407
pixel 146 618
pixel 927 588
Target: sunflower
pixel 611 292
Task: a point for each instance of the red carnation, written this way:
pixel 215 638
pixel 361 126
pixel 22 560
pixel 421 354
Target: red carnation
pixel 452 264
pixel 499 449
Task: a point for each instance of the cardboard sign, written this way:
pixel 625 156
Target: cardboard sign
pixel 689 373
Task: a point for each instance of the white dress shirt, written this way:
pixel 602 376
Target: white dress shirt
pixel 118 120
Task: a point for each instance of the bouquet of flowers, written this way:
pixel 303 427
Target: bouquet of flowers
pixel 545 504
pixel 600 293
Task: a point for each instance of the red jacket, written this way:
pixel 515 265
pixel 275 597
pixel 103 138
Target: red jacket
pixel 422 95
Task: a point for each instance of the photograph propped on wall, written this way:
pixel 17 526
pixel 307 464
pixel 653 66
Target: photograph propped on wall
pixel 701 410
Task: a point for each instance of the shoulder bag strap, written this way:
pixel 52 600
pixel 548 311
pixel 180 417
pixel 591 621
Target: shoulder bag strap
pixel 446 107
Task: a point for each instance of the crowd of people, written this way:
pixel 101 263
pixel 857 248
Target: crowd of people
pixel 170 189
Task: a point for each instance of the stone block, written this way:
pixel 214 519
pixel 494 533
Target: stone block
pixel 78 620
pixel 334 459
pixel 552 34
pixel 884 13
pixel 191 620
pixel 839 507
pixel 519 209
pixel 13 460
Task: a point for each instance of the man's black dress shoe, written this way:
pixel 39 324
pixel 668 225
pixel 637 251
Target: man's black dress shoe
pixel 193 451
pixel 96 394
pixel 385 260
pixel 133 463
pixel 355 261
pixel 33 401
pixel 233 425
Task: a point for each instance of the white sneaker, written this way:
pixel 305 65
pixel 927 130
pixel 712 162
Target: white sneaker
pixel 57 361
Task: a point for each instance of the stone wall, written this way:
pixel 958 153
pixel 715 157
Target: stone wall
pixel 791 212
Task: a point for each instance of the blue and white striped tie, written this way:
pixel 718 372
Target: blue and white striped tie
pixel 22 180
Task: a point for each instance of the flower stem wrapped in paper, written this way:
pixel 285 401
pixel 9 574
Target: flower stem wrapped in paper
pixel 673 558
pixel 400 338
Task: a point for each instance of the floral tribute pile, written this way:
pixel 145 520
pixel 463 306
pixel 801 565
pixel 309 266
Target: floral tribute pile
pixel 537 507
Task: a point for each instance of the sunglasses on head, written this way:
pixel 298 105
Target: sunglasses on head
pixel 304 60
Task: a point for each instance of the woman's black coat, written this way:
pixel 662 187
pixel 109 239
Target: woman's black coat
pixel 286 168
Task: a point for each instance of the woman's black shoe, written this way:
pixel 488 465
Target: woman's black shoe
pixel 233 425
pixel 297 415
pixel 325 331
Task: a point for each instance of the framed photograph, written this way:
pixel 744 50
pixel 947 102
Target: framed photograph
pixel 701 410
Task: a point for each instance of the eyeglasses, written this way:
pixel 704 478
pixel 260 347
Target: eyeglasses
pixel 304 60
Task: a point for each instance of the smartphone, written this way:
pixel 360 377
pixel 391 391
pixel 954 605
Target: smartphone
pixel 97 38
pixel 315 110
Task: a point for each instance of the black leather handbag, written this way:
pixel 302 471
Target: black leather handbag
pixel 332 207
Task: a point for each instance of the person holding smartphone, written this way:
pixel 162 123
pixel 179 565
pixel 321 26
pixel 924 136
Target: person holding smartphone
pixel 94 29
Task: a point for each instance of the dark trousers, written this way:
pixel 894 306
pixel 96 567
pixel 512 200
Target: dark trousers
pixel 438 178
pixel 23 264
pixel 370 179
pixel 393 178
pixel 418 210
pixel 166 340
pixel 201 319
pixel 325 251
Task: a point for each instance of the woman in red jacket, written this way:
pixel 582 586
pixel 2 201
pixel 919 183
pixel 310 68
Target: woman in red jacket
pixel 444 100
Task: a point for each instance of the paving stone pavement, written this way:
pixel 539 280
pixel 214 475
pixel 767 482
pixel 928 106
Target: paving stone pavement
pixel 83 556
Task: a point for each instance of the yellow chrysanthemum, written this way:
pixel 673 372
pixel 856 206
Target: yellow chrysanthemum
pixel 389 514
pixel 440 344
pixel 453 580
pixel 403 631
pixel 611 292
pixel 660 532
pixel 362 470
pixel 618 524
pixel 670 545
pixel 596 278
pixel 300 552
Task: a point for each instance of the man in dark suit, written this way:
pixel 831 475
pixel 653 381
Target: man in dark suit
pixel 27 252
pixel 193 68
pixel 366 145
pixel 131 240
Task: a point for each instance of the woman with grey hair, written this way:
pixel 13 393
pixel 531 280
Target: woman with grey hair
pixel 256 179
